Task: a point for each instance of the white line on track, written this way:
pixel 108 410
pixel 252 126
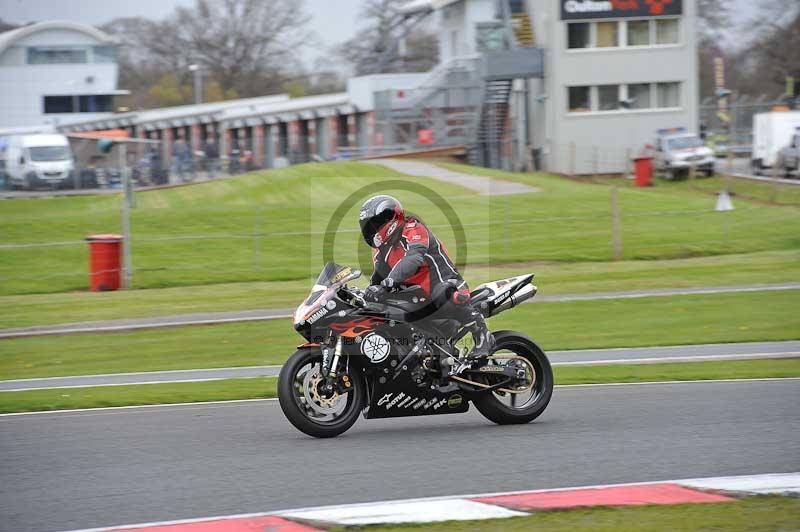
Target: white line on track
pixel 139 373
pixel 269 400
pixel 606 362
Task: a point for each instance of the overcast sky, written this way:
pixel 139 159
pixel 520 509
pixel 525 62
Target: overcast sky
pixel 333 20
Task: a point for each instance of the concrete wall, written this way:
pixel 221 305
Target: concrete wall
pixel 603 138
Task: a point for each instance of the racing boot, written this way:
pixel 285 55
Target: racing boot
pixel 483 339
pixel 481 336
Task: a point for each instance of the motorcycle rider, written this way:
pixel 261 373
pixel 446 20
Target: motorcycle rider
pixel 407 253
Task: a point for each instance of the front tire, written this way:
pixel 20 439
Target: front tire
pixel 494 409
pixel 301 407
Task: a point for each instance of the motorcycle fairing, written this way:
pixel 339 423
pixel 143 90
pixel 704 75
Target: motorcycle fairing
pixel 394 393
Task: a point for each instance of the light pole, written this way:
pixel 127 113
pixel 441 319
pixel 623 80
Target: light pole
pixel 198 82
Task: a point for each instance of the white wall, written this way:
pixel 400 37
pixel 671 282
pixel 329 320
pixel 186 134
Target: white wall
pixel 23 86
pixel 361 90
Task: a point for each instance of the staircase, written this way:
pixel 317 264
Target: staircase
pixel 523 30
pixel 491 124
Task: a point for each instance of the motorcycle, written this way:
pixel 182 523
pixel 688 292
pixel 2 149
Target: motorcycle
pixel 405 356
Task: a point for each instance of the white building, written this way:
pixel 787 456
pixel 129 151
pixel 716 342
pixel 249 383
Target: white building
pixel 56 73
pixel 615 73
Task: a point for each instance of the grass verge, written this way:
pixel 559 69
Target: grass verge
pixel 270 226
pixel 562 278
pixel 735 317
pixel 232 389
pixel 752 514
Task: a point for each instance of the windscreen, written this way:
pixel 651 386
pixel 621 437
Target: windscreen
pixel 331 274
pixel 49 153
pixel 334 273
pixel 682 143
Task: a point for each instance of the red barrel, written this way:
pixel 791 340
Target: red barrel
pixel 644 171
pixel 105 253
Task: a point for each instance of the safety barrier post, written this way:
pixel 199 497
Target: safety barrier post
pixel 616 225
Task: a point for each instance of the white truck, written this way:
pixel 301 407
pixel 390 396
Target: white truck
pixel 772 133
pixel 41 160
pixel 677 151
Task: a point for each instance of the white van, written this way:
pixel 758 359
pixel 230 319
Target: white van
pixel 771 133
pixel 34 161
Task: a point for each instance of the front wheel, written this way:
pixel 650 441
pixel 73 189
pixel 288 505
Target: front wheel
pixel 505 408
pixel 307 406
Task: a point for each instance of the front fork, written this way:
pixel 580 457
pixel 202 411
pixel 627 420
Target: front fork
pixel 334 380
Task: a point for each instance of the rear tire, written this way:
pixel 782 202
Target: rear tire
pixel 295 413
pixel 494 410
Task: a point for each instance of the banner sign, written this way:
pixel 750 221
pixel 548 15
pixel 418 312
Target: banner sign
pixel 589 9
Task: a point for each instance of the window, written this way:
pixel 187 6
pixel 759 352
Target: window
pixel 579 35
pixel 607 34
pixel 639 95
pixel 58 104
pixel 667 31
pixel 638 33
pixel 104 54
pixel 96 103
pixel 669 94
pixel 608 97
pixel 49 153
pixel 579 100
pixel 53 56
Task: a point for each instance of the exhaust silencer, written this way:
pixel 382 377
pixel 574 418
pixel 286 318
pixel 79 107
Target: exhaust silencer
pixel 524 294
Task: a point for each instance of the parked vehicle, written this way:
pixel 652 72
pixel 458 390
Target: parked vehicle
pixel 34 161
pixel 398 358
pixel 677 151
pixel 772 132
pixel 789 156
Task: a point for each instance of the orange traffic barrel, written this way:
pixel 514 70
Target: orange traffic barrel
pixel 105 254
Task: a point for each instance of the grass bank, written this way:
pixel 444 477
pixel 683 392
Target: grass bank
pixel 552 278
pixel 752 514
pixel 254 388
pixel 270 226
pixel 675 320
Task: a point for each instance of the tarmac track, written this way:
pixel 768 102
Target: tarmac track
pixel 85 469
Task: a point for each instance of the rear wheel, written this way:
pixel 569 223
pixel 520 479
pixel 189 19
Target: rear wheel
pixel 506 408
pixel 307 406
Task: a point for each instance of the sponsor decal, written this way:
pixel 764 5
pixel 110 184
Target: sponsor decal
pixel 419 404
pixel 391 228
pixel 330 305
pixel 385 399
pixel 455 400
pixel 377 240
pixel 342 274
pixel 375 347
pixel 588 9
pixel 363 214
pixel 317 315
pixel 430 403
pixel 396 400
pixel 405 403
pixel 492 369
pixel 440 404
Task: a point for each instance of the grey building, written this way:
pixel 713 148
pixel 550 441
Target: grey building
pixel 615 72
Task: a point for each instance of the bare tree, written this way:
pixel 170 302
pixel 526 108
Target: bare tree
pixel 376 47
pixel 246 45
